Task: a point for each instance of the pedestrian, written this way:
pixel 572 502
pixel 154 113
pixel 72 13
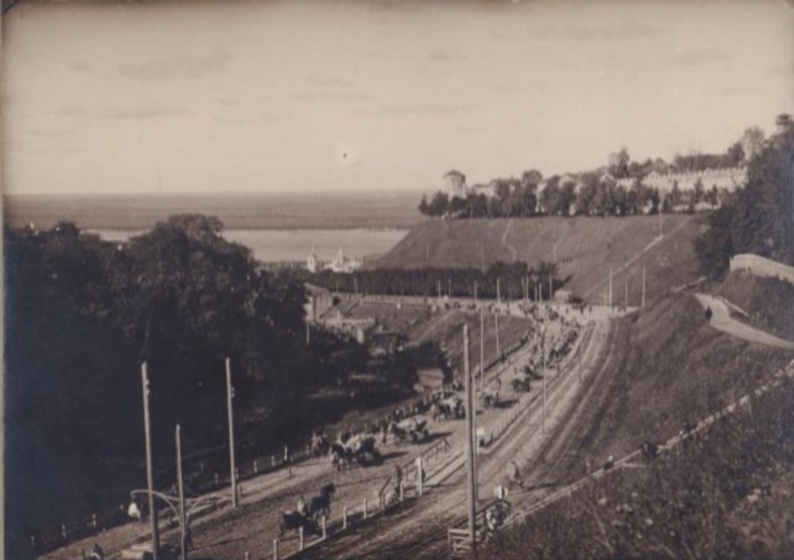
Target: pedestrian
pixel 515 476
pixel 97 553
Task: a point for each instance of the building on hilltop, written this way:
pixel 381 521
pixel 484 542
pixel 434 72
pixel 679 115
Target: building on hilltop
pixel 725 179
pixel 456 183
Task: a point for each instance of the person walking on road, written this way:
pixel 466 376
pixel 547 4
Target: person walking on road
pixel 515 475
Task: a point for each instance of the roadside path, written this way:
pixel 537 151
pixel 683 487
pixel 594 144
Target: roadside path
pixel 722 321
pixel 506 244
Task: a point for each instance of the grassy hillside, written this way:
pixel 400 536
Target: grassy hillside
pixel 768 301
pixel 728 496
pixel 670 366
pixel 585 249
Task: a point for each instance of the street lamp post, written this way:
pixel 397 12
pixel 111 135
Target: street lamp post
pixel 177 504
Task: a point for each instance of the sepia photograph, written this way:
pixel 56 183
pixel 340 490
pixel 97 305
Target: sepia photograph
pixel 397 279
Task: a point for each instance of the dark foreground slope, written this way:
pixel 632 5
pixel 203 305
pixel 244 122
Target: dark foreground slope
pixel 585 249
pixel 728 495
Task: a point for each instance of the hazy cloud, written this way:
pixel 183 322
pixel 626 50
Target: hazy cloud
pixel 697 56
pixel 121 111
pixel 418 108
pixel 443 56
pixel 782 69
pixel 617 31
pixel 178 67
pixel 329 96
pixel 327 80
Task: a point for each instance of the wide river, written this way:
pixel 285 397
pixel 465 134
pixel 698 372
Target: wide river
pixel 295 244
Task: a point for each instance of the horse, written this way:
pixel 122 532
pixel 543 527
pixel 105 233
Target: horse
pixel 340 456
pixel 293 520
pixel 321 504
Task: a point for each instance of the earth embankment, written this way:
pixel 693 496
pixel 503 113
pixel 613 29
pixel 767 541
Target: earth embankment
pixel 584 249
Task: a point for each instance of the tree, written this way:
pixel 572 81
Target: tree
pixel 457 207
pixel 698 192
pixel 549 197
pixel 439 204
pixel 424 208
pixel 619 164
pixel 675 194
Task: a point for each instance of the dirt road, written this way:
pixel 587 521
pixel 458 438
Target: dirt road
pixel 722 320
pixel 419 530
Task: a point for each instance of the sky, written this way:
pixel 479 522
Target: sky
pixel 181 97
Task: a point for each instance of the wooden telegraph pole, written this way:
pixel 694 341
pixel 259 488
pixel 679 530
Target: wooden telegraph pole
pixel 482 344
pixel 610 285
pixel 551 287
pixel 545 373
pixel 626 293
pixel 643 286
pixel 498 290
pixel 181 488
pixel 229 397
pixel 496 328
pixel 149 472
pixel 470 413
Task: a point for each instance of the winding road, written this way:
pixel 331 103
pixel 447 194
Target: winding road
pixel 722 321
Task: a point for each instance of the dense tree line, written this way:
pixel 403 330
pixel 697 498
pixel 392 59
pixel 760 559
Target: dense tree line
pixel 595 192
pixel 512 279
pixel 758 218
pixel 82 314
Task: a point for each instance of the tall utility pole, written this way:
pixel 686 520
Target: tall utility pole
pixel 181 488
pixel 551 287
pixel 545 373
pixel 470 413
pixel 643 286
pixel 229 397
pixel 482 344
pixel 496 327
pixel 438 288
pixel 626 293
pixel 610 285
pixel 498 290
pixel 661 201
pixel 149 472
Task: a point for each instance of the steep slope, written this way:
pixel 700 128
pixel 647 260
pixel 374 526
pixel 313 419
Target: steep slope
pixel 768 301
pixel 585 249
